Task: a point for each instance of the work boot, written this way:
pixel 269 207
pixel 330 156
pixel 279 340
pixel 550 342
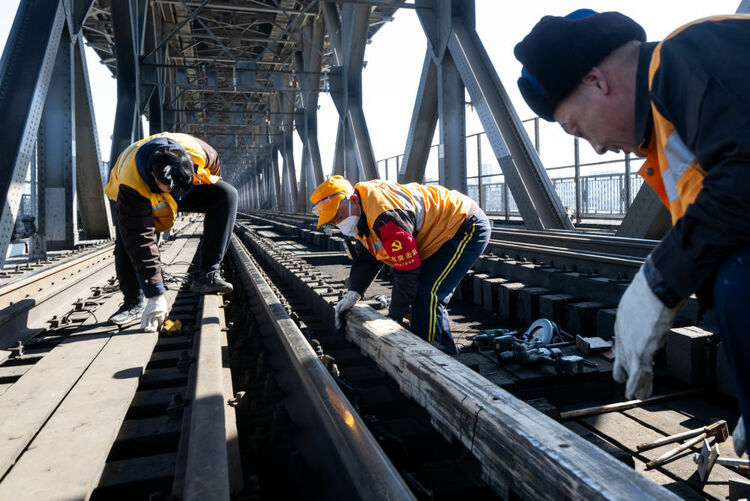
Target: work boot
pixel 128 313
pixel 211 283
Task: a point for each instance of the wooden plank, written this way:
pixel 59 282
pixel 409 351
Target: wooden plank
pixel 13 372
pixel 513 441
pixel 36 395
pixel 87 421
pixel 84 426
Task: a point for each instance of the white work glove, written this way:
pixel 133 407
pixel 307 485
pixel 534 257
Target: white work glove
pixel 154 313
pixel 346 302
pixel 640 328
pixel 738 438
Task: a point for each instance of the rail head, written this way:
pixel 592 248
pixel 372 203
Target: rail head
pixel 317 403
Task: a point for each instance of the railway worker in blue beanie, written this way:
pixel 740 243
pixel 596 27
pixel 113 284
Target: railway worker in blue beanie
pixel 683 104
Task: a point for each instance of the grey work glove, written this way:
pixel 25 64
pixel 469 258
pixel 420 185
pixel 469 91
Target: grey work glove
pixel 154 313
pixel 640 328
pixel 346 302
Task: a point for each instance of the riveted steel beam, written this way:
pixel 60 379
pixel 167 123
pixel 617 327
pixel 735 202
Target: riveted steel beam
pixel 422 127
pixel 451 110
pixel 25 72
pixel 58 217
pixel 127 124
pixel 532 190
pixel 92 204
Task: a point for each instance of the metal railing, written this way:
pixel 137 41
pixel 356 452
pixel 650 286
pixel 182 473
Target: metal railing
pixel 602 195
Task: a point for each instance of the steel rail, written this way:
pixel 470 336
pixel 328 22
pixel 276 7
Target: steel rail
pixel 632 247
pixel 27 305
pixel 520 449
pixel 336 443
pixel 29 285
pixel 549 252
pixel 207 468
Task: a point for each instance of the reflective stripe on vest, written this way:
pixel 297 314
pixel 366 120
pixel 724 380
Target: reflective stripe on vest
pixel 671 168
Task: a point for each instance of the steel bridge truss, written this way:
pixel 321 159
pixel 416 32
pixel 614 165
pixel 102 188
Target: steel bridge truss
pixel 50 129
pixel 244 75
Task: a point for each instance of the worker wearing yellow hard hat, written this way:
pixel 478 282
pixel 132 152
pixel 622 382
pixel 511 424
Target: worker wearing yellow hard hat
pixel 429 235
pixel 327 196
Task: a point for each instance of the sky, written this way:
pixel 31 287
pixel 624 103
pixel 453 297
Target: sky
pixel 394 62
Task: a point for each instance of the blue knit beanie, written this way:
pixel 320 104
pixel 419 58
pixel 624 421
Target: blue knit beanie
pixel 560 50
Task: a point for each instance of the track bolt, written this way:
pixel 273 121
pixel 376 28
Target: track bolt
pixel 17 350
pixel 183 363
pixel 176 406
pixel 234 402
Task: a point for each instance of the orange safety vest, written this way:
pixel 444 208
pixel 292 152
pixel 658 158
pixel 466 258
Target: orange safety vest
pixel 671 169
pixel 438 213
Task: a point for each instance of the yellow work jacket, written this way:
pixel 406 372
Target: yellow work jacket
pixel 437 213
pixel 163 205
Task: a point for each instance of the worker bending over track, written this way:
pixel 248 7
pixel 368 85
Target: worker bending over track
pixel 684 104
pixel 151 181
pixel 429 235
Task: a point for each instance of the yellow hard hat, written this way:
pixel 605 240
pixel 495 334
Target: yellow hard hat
pixel 327 197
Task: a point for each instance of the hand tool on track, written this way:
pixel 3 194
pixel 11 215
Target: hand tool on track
pixel 719 431
pixel 628 404
pixel 709 456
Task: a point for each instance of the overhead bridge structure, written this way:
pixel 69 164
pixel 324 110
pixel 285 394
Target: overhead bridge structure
pixel 255 395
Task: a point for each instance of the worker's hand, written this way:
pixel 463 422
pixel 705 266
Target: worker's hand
pixel 154 313
pixel 640 328
pixel 738 438
pixel 344 305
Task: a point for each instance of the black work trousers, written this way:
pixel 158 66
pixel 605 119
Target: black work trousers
pixel 219 203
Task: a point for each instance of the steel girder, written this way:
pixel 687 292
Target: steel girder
pixel 25 72
pixel 456 59
pixel 423 122
pixel 127 47
pixel 348 34
pixel 44 46
pixel 92 203
pixel 310 81
pixel 56 165
pixel 532 190
pixel 153 97
pixel 451 110
pixel 308 62
pixel 449 101
pixel 286 104
pixel 278 199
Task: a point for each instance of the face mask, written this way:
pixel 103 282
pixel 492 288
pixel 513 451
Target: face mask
pixel 349 225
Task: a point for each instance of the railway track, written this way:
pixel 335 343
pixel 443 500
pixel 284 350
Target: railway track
pixel 290 250
pixel 33 295
pixel 258 397
pixel 90 411
pixel 498 430
pixel 602 255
